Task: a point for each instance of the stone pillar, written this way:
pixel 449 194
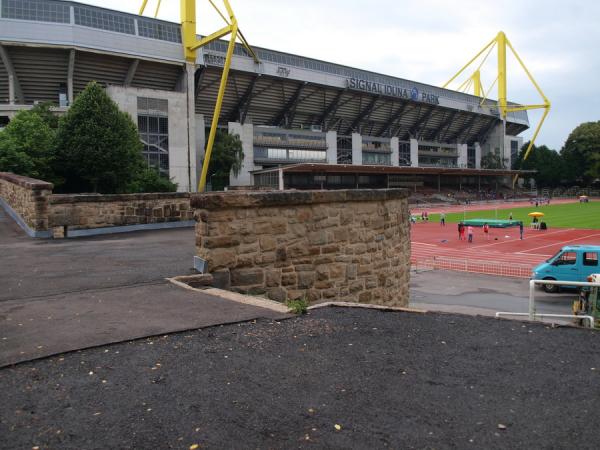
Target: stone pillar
pixel 346 245
pixel 477 155
pixel 395 145
pixel 331 139
pixel 414 153
pixel 356 149
pixel 281 179
pixel 463 155
pixel 246 134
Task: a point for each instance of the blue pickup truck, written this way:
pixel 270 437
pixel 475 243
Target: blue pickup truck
pixel 571 263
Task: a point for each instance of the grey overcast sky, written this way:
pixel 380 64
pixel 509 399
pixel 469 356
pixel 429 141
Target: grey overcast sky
pixel 430 40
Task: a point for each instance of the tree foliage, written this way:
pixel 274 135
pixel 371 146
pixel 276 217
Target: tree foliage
pixel 149 180
pixel 227 157
pixel 581 153
pixel 97 144
pixel 548 164
pixel 27 146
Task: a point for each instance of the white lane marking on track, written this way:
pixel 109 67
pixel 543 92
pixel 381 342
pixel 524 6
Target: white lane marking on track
pixel 423 243
pixel 516 239
pixel 564 242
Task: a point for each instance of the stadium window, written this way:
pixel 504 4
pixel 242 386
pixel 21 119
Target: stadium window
pixel 590 259
pixel 153 127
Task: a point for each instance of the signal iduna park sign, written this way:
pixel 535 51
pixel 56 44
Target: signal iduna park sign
pixel 392 91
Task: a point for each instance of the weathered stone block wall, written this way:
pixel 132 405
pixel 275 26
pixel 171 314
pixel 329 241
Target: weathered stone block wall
pixel 349 245
pixel 85 211
pixel 28 198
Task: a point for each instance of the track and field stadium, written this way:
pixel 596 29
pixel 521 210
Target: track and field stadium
pixel 502 252
pixel 304 123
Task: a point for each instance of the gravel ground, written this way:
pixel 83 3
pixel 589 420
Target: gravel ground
pixel 336 378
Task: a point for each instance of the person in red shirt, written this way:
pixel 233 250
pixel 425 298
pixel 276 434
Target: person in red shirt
pixel 486 231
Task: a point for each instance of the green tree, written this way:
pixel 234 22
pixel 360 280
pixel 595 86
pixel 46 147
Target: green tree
pixel 581 153
pixel 27 146
pixel 227 157
pixel 548 164
pixel 44 110
pixel 98 148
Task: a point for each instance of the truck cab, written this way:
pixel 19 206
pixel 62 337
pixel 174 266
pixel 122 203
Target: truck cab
pixel 571 263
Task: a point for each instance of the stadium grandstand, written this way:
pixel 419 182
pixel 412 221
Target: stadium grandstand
pixel 303 123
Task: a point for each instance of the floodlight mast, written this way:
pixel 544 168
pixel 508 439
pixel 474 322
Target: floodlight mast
pixel 501 41
pixel 191 43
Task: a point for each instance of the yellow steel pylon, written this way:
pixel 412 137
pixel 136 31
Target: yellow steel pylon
pixel 502 42
pixel 191 43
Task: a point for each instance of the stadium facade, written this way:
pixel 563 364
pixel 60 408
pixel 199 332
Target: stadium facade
pixel 303 122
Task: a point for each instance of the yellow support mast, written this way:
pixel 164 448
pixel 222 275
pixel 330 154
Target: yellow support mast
pixel 502 43
pixel 191 43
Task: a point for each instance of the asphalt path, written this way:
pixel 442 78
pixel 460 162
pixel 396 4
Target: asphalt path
pixel 64 295
pixel 469 293
pixel 34 268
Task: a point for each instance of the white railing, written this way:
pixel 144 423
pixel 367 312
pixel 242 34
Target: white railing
pixel 473 266
pixel 532 313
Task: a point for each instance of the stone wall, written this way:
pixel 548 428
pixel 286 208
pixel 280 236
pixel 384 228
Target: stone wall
pixel 80 211
pixel 349 245
pixel 43 214
pixel 28 199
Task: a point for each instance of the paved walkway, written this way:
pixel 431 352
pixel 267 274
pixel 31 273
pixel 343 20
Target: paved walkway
pixel 63 295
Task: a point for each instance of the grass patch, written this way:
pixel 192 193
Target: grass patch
pixel 566 215
pixel 299 306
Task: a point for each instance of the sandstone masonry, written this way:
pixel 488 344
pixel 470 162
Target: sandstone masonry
pixel 80 211
pixel 351 245
pixel 43 212
pixel 28 198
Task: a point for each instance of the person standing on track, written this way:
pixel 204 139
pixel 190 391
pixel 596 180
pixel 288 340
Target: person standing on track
pixel 486 231
pixel 461 231
pixel 443 219
pixel 470 233
pixel 521 229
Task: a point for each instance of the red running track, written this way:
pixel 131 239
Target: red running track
pixel 434 246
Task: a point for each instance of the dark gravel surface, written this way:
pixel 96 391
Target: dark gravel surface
pixel 394 380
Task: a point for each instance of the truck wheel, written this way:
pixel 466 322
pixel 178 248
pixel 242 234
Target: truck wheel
pixel 550 288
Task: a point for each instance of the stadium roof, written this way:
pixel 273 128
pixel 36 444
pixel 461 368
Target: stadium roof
pixel 49 40
pixel 393 170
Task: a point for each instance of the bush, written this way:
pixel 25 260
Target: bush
pixel 149 180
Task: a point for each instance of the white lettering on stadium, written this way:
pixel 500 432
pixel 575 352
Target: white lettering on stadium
pixel 392 91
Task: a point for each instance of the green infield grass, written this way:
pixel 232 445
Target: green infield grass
pixel 566 215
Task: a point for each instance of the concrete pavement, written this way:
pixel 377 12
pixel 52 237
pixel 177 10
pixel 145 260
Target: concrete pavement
pixel 63 295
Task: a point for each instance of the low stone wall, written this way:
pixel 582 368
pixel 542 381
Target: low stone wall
pixel 351 245
pixel 43 214
pixel 27 199
pixel 83 212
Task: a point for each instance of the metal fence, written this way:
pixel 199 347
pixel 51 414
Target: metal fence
pixel 502 269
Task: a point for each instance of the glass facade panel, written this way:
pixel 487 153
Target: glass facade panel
pixel 39 10
pixel 153 126
pixel 379 159
pixel 159 30
pixel 104 20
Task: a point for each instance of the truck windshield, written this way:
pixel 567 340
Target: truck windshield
pixel 556 255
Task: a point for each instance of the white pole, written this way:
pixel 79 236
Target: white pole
pixel 531 300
